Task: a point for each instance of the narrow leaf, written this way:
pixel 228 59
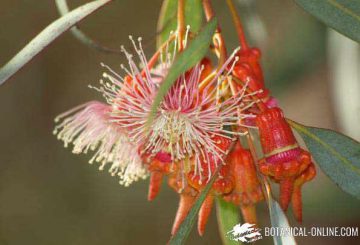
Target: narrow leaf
pixel 180 237
pixel 63 9
pixel 167 19
pixel 47 36
pixel 336 154
pixel 227 217
pixel 185 60
pixel 278 219
pixel 342 15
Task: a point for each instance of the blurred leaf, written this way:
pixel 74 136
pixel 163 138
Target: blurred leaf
pixel 227 217
pixel 185 60
pixel 167 19
pixel 342 15
pixel 281 69
pixel 336 154
pixel 278 219
pixel 185 228
pixel 47 36
pixel 63 9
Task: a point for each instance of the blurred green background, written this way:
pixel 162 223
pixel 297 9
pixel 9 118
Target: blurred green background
pixel 50 196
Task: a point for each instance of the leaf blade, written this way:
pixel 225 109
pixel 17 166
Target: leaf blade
pixel 341 15
pixel 47 36
pixel 336 154
pixel 227 216
pixel 195 50
pixel 278 219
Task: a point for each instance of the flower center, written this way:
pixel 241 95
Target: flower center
pixel 172 133
pixel 175 127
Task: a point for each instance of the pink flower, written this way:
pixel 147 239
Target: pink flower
pixel 194 116
pixel 188 119
pixel 89 127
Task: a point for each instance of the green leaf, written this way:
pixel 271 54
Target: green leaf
pixel 185 60
pixel 342 15
pixel 47 36
pixel 167 19
pixel 63 9
pixel 278 219
pixel 336 154
pixel 185 228
pixel 227 216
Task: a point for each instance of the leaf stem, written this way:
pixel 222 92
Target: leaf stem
pixel 47 36
pixel 238 26
pixel 63 9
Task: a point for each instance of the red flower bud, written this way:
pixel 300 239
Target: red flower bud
pixel 284 161
pixel 187 200
pixel 248 69
pixel 247 190
pixel 204 213
pixel 159 165
pixel 209 166
pixel 306 176
pixel 155 184
pixel 250 59
pixel 277 139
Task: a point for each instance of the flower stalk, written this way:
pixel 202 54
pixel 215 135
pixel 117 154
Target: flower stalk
pixel 238 26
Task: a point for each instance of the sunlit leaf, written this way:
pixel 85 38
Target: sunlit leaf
pixel 278 219
pixel 47 36
pixel 185 228
pixel 167 19
pixel 342 15
pixel 196 49
pixel 63 9
pixel 336 154
pixel 227 217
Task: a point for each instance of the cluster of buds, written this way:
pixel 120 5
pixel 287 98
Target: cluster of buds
pixel 284 161
pixel 195 133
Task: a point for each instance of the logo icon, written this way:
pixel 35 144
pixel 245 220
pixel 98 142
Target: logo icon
pixel 244 233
